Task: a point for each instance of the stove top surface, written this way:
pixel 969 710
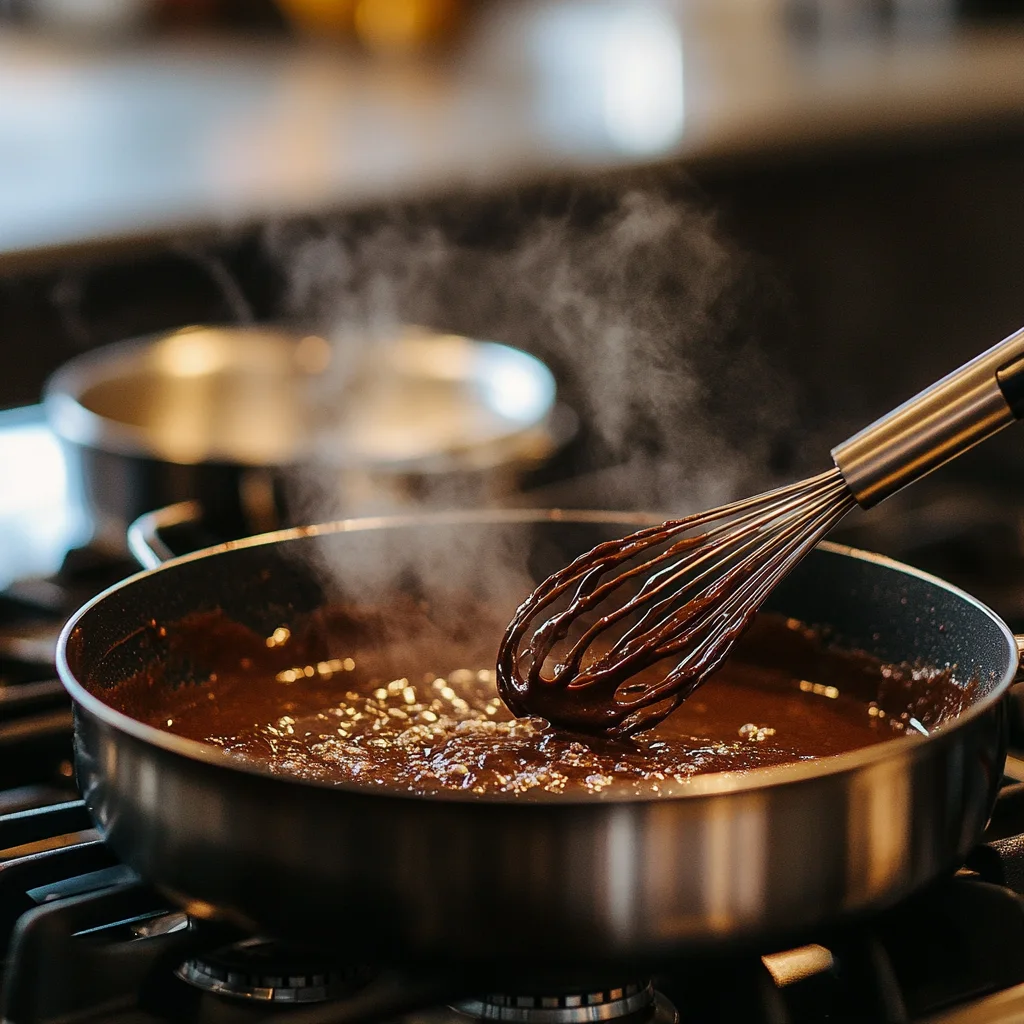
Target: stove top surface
pixel 83 938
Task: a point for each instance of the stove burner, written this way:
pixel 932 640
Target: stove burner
pixel 265 972
pixel 638 1001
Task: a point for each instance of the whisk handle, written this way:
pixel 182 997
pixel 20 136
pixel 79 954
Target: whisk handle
pixel 940 423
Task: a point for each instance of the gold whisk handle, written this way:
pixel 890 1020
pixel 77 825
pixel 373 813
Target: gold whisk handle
pixel 937 425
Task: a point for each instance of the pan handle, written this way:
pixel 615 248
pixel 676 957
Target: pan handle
pixel 1015 704
pixel 144 541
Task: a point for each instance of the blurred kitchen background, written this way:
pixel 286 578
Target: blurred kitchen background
pixel 841 184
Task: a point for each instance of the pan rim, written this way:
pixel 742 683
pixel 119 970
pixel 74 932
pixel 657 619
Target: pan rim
pixel 711 784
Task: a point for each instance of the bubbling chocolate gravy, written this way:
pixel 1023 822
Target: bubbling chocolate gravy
pixel 391 699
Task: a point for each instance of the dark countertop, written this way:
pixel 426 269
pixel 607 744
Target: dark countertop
pixel 133 143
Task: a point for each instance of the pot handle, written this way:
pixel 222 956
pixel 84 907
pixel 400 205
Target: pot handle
pixel 144 541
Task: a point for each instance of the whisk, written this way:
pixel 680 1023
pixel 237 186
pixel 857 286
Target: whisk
pixel 616 640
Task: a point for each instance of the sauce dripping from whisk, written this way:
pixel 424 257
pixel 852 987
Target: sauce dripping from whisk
pixel 596 695
pixel 632 627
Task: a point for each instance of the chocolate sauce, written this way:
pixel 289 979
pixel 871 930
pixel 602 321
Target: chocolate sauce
pixel 393 700
pixel 615 641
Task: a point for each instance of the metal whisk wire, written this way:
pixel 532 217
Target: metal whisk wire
pixel 649 634
pixel 695 592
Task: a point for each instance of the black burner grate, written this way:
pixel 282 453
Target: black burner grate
pixel 35 713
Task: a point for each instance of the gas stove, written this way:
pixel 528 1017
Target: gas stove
pixel 84 938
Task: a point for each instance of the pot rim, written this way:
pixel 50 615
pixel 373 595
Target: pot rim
pixel 77 424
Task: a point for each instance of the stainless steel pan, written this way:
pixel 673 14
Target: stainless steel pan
pixel 724 859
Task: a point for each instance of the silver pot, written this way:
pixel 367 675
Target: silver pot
pixel 251 421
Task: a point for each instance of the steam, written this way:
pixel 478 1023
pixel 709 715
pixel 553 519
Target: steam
pixel 633 296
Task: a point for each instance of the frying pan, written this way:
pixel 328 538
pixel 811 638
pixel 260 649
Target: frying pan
pixel 565 880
